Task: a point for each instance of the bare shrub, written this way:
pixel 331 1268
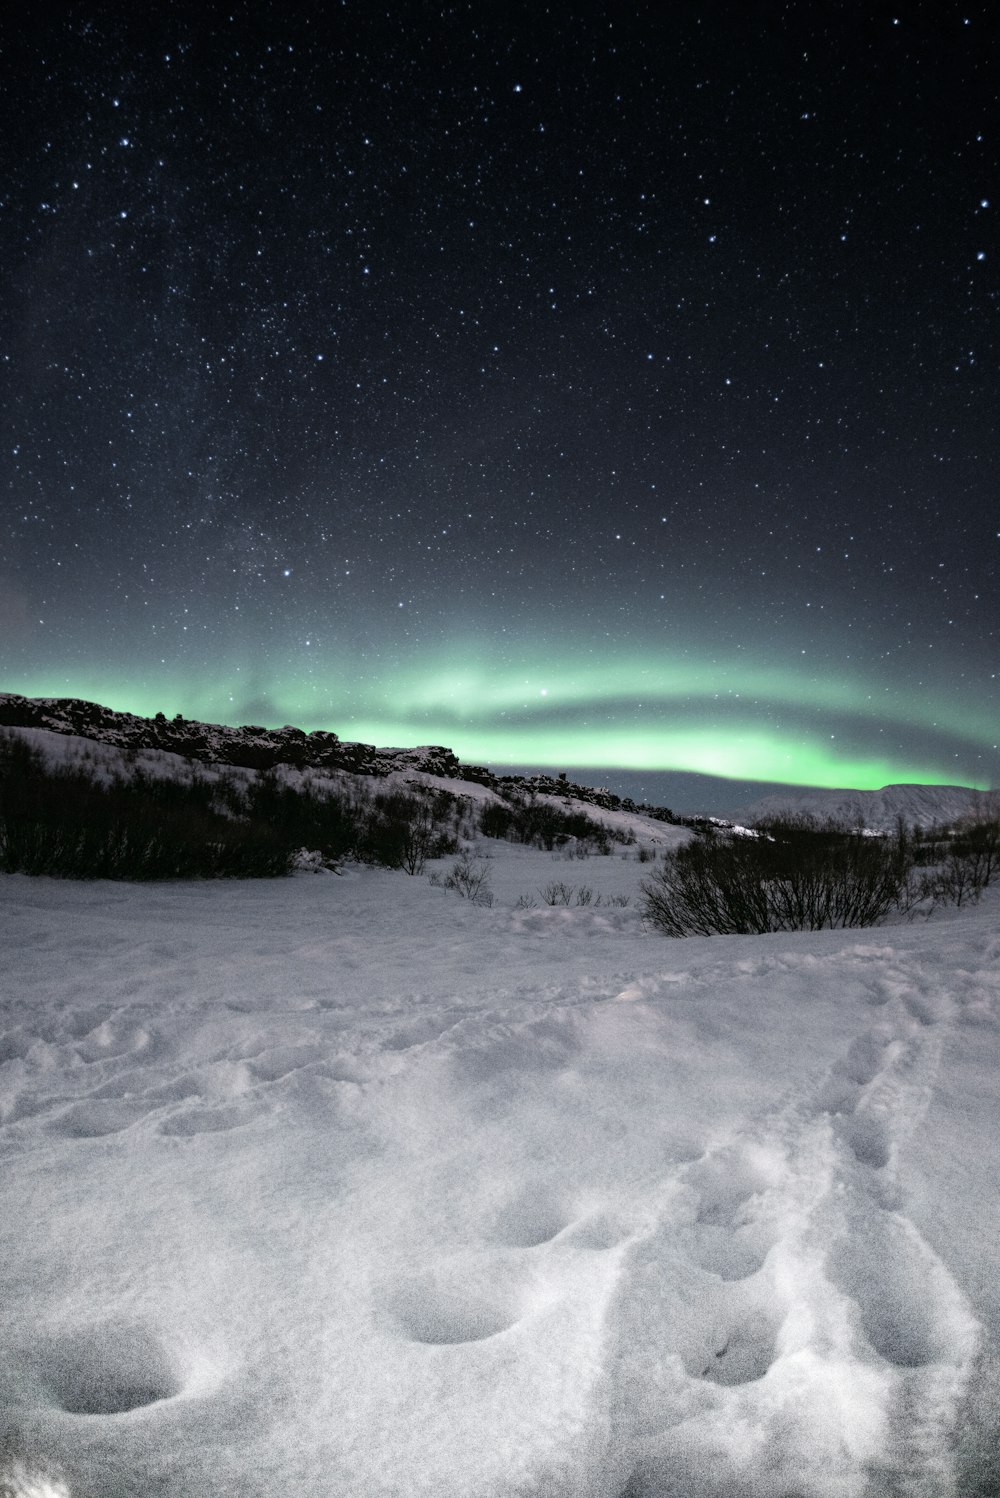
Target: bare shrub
pixel 470 878
pixel 961 863
pixel 797 875
pixel 526 819
pixel 977 842
pixel 957 881
pixel 557 893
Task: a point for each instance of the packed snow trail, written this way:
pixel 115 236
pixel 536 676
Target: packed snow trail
pixel 797 1260
pixel 480 1203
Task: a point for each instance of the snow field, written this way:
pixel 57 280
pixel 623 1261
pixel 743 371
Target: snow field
pixel 343 1185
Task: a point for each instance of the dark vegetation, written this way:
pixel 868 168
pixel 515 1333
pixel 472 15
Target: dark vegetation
pixel 539 824
pixel 390 828
pixel 79 820
pixel 67 821
pixel 799 874
pixel 256 748
pixel 558 892
pixel 71 822
pixel 959 863
pixel 470 879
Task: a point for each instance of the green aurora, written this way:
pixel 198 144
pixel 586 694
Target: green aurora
pixel 711 717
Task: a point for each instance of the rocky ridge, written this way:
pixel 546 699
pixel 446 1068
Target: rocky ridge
pixel 252 747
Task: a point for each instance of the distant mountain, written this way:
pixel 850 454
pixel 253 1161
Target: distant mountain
pixel 256 748
pixel 918 805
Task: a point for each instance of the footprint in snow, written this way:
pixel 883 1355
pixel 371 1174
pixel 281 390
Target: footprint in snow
pixel 868 1136
pixel 903 988
pixel 194 1121
pixel 271 1066
pixel 14 1046
pixel 533 1217
pixel 730 1233
pixel 745 1355
pixel 95 1118
pixel 907 1306
pixel 442 1308
pixel 875 1093
pixel 537 1216
pixel 112 1039
pixel 867 1057
pixel 108 1369
pixel 920 1007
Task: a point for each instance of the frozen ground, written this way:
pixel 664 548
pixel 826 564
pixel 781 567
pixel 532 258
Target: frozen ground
pixel 343 1186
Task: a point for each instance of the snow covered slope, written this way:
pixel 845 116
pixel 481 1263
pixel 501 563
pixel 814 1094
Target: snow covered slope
pixel 46 720
pixel 255 748
pixel 918 805
pixel 341 1185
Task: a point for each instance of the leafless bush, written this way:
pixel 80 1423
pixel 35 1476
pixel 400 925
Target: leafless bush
pixel 557 893
pixel 470 878
pixel 526 819
pixel 977 841
pixel 962 862
pixel 957 881
pixel 798 876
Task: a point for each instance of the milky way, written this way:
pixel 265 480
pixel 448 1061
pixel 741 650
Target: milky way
pixel 602 386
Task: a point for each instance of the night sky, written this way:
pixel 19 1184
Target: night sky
pixel 573 385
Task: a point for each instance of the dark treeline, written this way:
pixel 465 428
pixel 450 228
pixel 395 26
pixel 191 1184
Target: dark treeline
pixel 525 819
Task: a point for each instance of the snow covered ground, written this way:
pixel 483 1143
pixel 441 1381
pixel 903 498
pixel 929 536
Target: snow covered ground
pixel 344 1186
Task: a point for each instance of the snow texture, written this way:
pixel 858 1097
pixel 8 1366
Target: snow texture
pixel 343 1185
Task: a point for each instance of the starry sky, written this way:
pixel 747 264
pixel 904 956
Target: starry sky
pixel 597 386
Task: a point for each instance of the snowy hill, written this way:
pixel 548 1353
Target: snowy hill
pixel 255 748
pixel 918 805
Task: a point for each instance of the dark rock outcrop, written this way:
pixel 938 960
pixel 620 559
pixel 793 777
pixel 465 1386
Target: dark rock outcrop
pixel 255 748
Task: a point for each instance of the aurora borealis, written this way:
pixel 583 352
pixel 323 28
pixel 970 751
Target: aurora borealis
pixel 570 387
